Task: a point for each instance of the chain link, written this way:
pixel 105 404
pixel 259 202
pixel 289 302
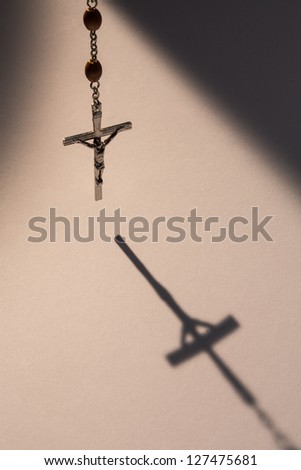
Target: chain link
pixel 95 95
pixel 92 3
pixel 94 49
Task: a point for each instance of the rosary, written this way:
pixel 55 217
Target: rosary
pixel 93 71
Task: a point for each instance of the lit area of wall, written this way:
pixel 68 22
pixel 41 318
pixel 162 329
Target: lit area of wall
pixel 86 329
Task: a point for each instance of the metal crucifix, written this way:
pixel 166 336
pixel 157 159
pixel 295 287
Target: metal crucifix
pixel 98 144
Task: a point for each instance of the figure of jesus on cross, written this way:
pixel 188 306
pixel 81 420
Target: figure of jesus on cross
pixel 98 145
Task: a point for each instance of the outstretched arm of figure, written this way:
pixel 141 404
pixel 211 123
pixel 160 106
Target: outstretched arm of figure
pixel 87 144
pixel 111 137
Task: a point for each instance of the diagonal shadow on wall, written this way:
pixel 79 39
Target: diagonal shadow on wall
pixel 19 41
pixel 245 53
pixel 204 342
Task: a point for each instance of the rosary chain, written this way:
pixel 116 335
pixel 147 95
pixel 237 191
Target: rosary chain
pixel 94 85
pixel 92 4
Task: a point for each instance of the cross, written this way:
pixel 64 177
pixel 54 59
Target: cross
pixel 98 145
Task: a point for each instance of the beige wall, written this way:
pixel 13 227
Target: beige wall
pixel 84 336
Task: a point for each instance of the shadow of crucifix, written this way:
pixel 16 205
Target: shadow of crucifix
pixel 200 336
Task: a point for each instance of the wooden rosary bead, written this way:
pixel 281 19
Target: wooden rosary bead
pixel 92 19
pixel 93 70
